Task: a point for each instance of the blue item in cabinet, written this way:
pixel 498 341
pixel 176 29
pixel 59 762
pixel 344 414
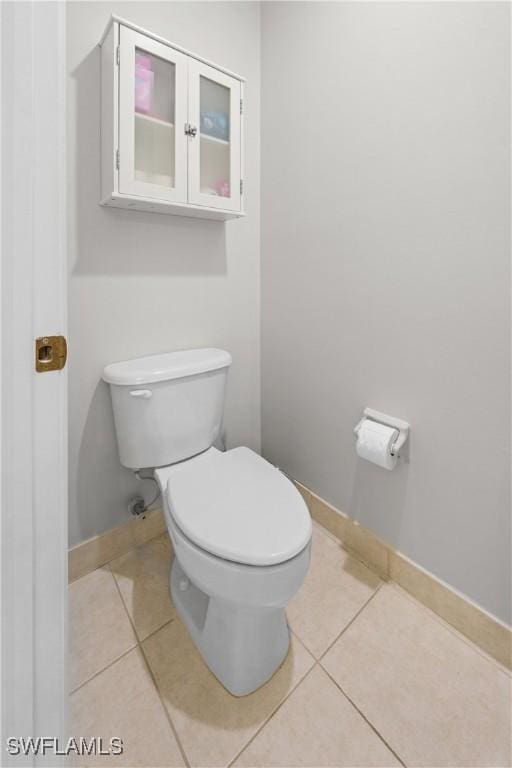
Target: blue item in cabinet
pixel 215 124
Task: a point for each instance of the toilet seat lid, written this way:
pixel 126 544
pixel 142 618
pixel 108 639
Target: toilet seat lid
pixel 239 507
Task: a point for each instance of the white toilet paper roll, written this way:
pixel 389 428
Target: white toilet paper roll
pixel 374 443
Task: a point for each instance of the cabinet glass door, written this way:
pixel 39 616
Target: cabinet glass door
pixel 214 143
pixel 152 115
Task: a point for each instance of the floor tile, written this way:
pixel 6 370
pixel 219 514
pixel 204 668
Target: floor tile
pixel 212 725
pixel 317 726
pixel 143 579
pixel 435 699
pixel 336 588
pixel 99 629
pixel 122 701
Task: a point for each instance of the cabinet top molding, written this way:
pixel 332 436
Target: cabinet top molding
pixel 118 20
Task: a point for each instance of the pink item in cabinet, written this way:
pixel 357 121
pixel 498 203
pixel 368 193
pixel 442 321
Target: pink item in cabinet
pixel 142 60
pixel 222 188
pixel 144 78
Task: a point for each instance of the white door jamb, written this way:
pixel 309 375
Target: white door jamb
pixel 33 415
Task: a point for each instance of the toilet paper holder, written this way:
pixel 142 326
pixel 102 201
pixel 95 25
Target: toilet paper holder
pixel 390 421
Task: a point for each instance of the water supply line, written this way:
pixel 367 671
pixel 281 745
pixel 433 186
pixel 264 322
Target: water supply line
pixel 137 506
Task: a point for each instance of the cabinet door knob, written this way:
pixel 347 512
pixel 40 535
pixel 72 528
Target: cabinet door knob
pixel 190 130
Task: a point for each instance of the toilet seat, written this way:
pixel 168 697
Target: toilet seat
pixel 237 506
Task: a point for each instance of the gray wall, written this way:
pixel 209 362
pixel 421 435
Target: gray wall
pixel 385 269
pixel 143 283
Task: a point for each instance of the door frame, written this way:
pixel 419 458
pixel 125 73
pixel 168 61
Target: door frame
pixel 33 413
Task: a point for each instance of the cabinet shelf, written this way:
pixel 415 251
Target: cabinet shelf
pixel 154 120
pixel 166 124
pixel 214 139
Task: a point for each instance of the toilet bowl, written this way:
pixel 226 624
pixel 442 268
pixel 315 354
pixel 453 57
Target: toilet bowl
pixel 233 599
pixel 240 529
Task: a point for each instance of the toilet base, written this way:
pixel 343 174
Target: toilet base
pixel 243 646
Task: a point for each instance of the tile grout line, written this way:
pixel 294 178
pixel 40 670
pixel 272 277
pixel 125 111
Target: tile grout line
pixel 321 666
pixel 349 624
pixel 274 712
pixel 140 646
pixel 103 669
pixel 425 609
pixel 368 567
pixel 149 670
pixel 140 640
pixel 151 634
pixel 122 601
pixel 431 612
pixel 361 713
pixel 124 653
pixel 166 711
pixel 316 663
pixel 319 662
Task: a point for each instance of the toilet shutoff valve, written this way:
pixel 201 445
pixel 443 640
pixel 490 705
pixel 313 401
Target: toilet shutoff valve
pixel 137 506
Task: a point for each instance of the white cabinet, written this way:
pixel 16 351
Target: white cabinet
pixel 171 128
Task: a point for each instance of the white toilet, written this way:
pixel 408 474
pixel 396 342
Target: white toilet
pixel 240 529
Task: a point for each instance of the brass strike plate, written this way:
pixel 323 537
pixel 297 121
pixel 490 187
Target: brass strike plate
pixel 51 353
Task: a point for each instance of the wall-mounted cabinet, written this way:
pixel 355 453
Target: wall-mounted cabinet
pixel 171 128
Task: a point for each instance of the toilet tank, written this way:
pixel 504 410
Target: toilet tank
pixel 167 407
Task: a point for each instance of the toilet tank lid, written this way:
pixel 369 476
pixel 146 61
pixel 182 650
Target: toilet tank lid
pixel 166 366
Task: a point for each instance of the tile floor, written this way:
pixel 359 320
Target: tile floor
pixel 372 678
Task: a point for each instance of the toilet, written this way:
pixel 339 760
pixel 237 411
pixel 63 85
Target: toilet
pixel 240 529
